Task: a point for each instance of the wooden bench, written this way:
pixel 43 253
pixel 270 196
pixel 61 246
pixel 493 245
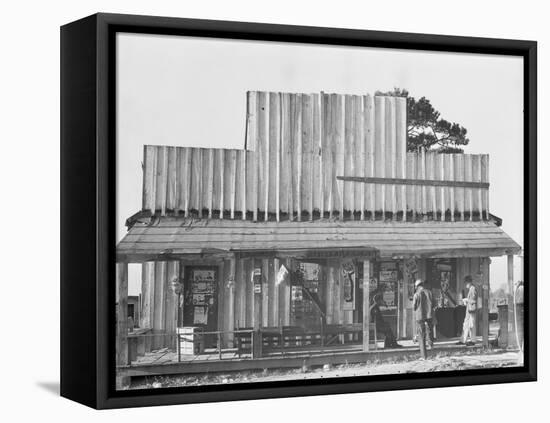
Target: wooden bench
pixel 243 340
pixel 292 337
pixel 274 338
pixel 333 332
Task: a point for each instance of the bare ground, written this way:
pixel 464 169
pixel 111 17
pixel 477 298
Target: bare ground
pixel 438 362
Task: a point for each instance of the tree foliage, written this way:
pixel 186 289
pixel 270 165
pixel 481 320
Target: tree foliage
pixel 426 129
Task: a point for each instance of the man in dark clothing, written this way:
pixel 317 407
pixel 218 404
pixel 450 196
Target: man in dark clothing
pixel 429 315
pixel 381 325
pixel 422 310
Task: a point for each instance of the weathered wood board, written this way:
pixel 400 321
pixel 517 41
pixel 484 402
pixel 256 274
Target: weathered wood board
pixel 297 145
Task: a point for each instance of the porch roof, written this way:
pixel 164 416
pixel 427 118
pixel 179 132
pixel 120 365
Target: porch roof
pixel 170 237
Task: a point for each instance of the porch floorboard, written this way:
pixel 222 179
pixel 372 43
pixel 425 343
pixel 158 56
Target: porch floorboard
pixel 166 362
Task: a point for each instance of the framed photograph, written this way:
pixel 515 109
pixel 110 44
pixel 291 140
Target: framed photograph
pixel 255 211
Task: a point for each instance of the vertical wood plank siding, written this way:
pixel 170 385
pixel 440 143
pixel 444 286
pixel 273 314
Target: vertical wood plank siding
pixel 296 146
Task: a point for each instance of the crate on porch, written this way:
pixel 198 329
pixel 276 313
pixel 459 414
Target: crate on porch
pixel 191 340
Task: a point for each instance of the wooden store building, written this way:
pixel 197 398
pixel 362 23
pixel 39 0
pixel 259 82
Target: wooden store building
pixel 283 244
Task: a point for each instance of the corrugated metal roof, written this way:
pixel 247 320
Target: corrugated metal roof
pixel 181 236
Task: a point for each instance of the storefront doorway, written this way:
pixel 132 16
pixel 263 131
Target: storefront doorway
pixel 200 308
pixel 387 277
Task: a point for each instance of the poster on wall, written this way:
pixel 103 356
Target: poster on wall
pixel 202 276
pixel 282 274
pixel 310 271
pixel 388 276
pixel 373 285
pixel 348 285
pixel 296 293
pixel 411 267
pixel 200 317
pixel 200 298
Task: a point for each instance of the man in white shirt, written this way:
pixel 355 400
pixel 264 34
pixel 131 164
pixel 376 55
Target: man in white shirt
pixel 470 318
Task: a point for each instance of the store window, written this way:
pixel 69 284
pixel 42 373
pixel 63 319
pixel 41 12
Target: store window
pixel 442 281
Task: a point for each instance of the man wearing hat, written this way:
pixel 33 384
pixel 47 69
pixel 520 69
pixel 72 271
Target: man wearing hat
pixel 422 312
pixel 429 315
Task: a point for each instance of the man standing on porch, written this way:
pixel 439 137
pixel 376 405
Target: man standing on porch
pixel 429 315
pixel 470 318
pixel 422 309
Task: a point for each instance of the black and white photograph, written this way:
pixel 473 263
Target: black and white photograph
pixel 270 212
pixel 290 211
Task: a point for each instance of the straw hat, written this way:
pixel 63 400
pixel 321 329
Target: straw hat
pixel 417 283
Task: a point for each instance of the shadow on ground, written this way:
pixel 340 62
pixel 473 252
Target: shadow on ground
pixel 51 387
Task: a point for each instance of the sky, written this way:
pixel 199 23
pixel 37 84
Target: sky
pixel 188 91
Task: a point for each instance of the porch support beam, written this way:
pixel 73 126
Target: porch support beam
pixel 485 301
pixel 147 300
pixel 122 381
pixel 511 309
pixel 366 303
pixel 159 305
pixel 231 299
pixel 257 312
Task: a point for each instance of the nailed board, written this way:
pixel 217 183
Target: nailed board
pixel 296 146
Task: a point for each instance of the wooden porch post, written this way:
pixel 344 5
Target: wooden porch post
pixel 122 323
pixel 404 302
pixel 485 261
pixel 511 311
pixel 159 305
pixel 231 299
pixel 366 303
pixel 147 300
pixel 180 298
pixel 257 312
pixel 171 307
pixel 146 282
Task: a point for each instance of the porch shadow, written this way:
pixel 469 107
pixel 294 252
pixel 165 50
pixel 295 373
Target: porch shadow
pixel 50 387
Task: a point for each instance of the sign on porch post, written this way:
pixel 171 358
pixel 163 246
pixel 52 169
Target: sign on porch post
pixel 366 303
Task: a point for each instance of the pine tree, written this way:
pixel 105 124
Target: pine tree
pixel 426 129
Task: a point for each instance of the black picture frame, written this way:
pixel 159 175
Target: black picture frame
pixel 88 201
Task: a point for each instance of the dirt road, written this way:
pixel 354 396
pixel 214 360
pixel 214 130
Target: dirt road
pixel 409 364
